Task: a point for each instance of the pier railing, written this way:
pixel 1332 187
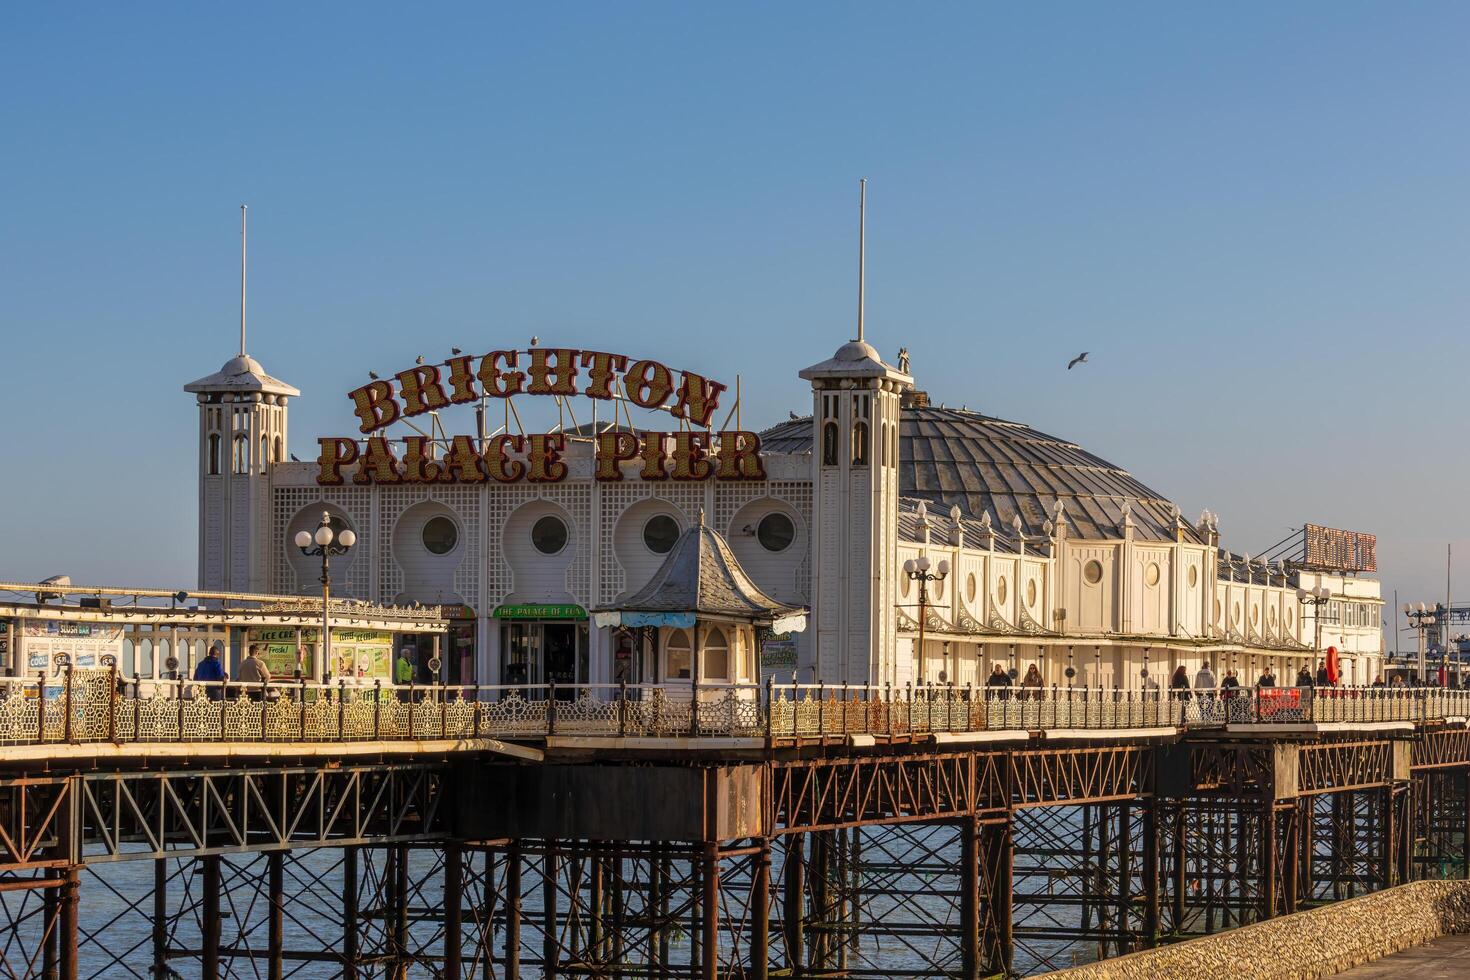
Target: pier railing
pixel 85 706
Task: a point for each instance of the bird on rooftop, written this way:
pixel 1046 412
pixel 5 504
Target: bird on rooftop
pixel 794 416
pixel 294 459
pixel 454 350
pixel 373 375
pixel 1079 359
pixel 535 341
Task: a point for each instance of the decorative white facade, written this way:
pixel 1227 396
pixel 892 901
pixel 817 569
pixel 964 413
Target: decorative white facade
pixel 1058 559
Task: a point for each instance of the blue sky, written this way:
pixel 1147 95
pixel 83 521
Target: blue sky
pixel 1254 216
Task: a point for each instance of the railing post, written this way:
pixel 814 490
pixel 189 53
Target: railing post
pixel 112 697
pixel 694 704
pixel 41 706
pixel 770 706
pixel 412 705
pixel 888 706
pixel 377 708
pixel 478 711
pixel 551 708
pixel 301 706
pixel 341 710
pixel 910 718
pixel 66 705
pixel 443 711
pixel 622 707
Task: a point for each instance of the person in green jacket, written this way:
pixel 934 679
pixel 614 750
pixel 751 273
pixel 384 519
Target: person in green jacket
pixel 403 668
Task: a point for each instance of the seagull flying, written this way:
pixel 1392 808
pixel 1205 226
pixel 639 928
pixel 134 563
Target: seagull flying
pixel 1079 359
pixel 373 375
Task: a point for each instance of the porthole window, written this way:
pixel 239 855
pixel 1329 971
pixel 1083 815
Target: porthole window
pixel 970 587
pixel 1031 592
pixel 904 585
pixel 1235 615
pixel 660 534
pixel 549 535
pixel 1273 616
pixel 1000 589
pixel 1092 572
pixel 1255 615
pixel 1217 612
pixel 1151 574
pixel 1290 616
pixel 440 535
pixel 1193 576
pixel 775 532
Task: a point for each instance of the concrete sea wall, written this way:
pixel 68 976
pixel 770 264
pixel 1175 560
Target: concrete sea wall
pixel 1319 942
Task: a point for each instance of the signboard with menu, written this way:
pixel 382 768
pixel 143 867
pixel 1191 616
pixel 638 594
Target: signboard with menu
pixel 83 643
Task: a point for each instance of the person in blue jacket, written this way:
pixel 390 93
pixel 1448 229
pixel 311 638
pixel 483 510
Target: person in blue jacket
pixel 211 669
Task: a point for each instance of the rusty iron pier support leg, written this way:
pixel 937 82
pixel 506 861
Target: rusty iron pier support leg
pixel 453 910
pixel 51 940
pixel 710 920
pixel 1178 868
pixel 513 912
pixel 1150 871
pixel 69 900
pixel 1268 869
pixel 1402 798
pixel 398 969
pixel 792 907
pixel 210 924
pixel 160 917
pixel 349 913
pixel 760 914
pixel 1465 819
pixel 970 953
pixel 997 851
pixel 275 862
pixel 549 952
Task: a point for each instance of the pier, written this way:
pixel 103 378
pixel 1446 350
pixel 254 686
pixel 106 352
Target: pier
pixel 623 831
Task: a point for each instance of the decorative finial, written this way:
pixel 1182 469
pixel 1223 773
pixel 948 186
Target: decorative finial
pixel 701 517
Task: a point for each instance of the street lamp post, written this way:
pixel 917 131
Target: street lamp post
pixel 917 569
pixel 1316 598
pixel 1423 618
pixel 325 543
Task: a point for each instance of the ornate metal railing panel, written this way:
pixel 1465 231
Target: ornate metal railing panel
pixel 83 706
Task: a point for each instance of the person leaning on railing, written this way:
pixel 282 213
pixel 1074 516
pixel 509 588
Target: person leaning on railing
pixel 255 675
pixel 998 684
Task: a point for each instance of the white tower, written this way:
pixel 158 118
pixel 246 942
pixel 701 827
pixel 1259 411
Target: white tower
pixel 855 414
pixel 242 432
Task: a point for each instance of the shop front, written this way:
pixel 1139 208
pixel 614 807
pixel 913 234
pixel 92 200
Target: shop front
pixel 543 644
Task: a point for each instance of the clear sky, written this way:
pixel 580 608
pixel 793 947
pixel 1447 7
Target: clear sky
pixel 1254 216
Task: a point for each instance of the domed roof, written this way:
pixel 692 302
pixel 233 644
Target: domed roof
pixel 954 457
pixel 241 373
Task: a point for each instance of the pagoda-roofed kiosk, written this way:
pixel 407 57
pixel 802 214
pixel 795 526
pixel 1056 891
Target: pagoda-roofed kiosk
pixel 694 624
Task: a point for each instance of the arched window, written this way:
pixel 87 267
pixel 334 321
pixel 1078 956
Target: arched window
pixel 145 658
pixel 264 456
pixel 676 656
pixel 829 444
pixel 860 444
pixel 242 454
pixel 276 456
pixel 214 454
pixel 883 443
pixel 716 655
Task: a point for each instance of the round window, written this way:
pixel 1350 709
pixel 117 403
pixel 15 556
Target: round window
pixel 1289 616
pixel 1092 572
pixel 775 532
pixel 1193 576
pixel 1000 589
pixel 970 587
pixel 1273 616
pixel 1235 614
pixel 1151 574
pixel 904 585
pixel 939 588
pixel 549 535
pixel 1031 593
pixel 1255 615
pixel 1217 611
pixel 660 534
pixel 440 535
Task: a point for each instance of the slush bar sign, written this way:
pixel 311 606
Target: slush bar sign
pixel 694 452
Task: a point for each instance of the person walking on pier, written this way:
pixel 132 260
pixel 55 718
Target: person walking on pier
pixel 210 669
pixel 1267 678
pixel 1000 681
pixel 1031 684
pixel 1179 683
pixel 255 673
pixel 1304 679
pixel 1323 678
pixel 1205 679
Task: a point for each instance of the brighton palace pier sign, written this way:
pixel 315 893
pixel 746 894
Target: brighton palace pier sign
pixel 692 453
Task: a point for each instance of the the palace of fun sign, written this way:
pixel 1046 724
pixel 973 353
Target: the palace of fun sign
pixel 695 453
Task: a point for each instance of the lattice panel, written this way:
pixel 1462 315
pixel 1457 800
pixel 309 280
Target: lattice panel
pixel 574 498
pixel 464 500
pixel 616 499
pixel 287 502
